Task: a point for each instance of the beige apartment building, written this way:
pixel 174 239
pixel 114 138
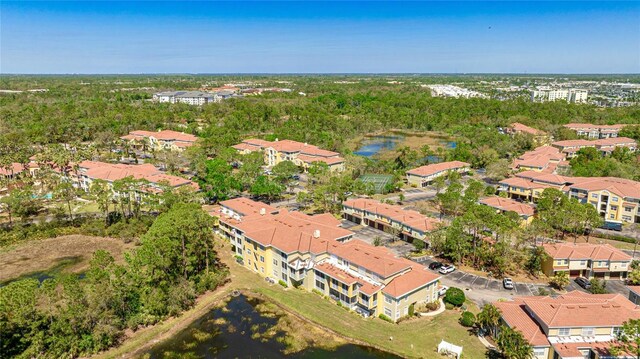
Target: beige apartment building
pixel 601 261
pixel 424 175
pixel 316 254
pixel 595 131
pixel 160 140
pixel 575 325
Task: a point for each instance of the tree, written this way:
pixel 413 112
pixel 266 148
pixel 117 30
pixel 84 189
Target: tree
pixel 454 296
pixel 266 188
pixel 103 195
pixel 284 172
pixel 628 339
pixel 598 286
pixel 467 319
pixel 560 280
pixel 489 317
pixel 513 345
pixel 537 256
pixel 65 191
pixel 419 245
pixel 634 276
pixel 20 202
pixel 439 183
pixel 218 183
pixel 498 170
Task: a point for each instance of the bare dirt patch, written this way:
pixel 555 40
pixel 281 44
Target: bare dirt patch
pixel 34 256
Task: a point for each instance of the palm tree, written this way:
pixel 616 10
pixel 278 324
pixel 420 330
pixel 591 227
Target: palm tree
pixel 513 345
pixel 489 317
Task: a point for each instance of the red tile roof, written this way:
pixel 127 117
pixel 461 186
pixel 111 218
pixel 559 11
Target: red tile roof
pixel 518 127
pixel 164 135
pixel 428 170
pixel 111 172
pixel 409 282
pixel 336 273
pixel 14 168
pixel 247 207
pixel 507 204
pixel 588 126
pixel 409 218
pixel 585 251
pixel 540 157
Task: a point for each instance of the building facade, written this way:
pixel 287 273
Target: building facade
pixel 160 140
pixel 595 131
pixel 424 175
pixel 605 146
pixel 569 95
pixel 187 97
pixel 601 261
pixel 574 325
pixel 316 254
pixel 301 154
pixel 502 205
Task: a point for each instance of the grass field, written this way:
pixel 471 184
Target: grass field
pixel 379 181
pixel 416 338
pixel 71 252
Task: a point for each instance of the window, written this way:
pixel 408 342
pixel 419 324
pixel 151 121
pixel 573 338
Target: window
pixel 583 262
pixel 626 218
pixel 594 195
pixel 588 331
pixel 320 285
pixel 262 269
pixel 387 312
pixel 538 352
pixel 614 208
pixel 388 300
pixel 275 262
pixel 628 209
pixel 612 216
pixel 262 259
pixel 248 251
pixel 563 332
pixel 249 261
pixel 284 277
pixel 614 199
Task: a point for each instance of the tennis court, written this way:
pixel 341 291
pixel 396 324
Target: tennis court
pixel 379 181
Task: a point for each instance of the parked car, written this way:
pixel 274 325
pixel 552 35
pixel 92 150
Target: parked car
pixel 435 265
pixel 612 226
pixel 443 290
pixel 448 268
pixel 583 282
pixel 507 283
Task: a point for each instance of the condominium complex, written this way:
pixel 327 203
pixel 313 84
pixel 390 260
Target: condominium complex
pixel 316 254
pixel 605 145
pixel 452 91
pixel 160 140
pixel 595 131
pixel 525 211
pixel 569 95
pixel 539 136
pixel 616 199
pixel 188 97
pixel 424 175
pixel 408 224
pixel 89 171
pixel 302 154
pixel 542 159
pixel 587 260
pixel 570 326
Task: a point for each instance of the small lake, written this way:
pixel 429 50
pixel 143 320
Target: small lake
pixel 238 330
pixel 371 146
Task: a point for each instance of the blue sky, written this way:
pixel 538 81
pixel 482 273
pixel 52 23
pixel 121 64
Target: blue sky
pixel 329 37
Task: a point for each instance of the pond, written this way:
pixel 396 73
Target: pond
pixel 239 330
pixel 372 146
pixel 41 276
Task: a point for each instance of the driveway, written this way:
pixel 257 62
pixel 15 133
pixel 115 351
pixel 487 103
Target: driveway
pixel 368 234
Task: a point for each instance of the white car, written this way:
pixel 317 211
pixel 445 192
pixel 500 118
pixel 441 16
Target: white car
pixel 443 290
pixel 448 268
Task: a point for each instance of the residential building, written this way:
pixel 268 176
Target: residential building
pixel 424 175
pixel 12 171
pixel 88 171
pixel 605 146
pixel 314 253
pixel 587 260
pixel 452 91
pixel 502 205
pixel 569 95
pixel 302 154
pixel 408 224
pixel 570 326
pixel 188 97
pixel 595 131
pixel 542 159
pixel 160 140
pixel 616 199
pixel 540 137
pixel 634 294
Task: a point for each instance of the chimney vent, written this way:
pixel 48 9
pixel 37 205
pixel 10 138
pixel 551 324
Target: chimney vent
pixel 316 233
pixel 263 211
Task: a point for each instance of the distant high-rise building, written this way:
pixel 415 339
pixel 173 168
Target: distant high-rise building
pixel 569 95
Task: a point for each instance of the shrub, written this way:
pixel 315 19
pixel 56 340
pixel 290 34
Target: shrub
pixel 598 286
pixel 385 318
pixel 454 296
pixel 411 310
pixel 433 306
pixel 283 283
pixel 318 292
pixel 467 319
pixel 543 291
pixel 448 306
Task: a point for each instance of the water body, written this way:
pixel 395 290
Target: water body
pixel 41 276
pixel 373 145
pixel 237 331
